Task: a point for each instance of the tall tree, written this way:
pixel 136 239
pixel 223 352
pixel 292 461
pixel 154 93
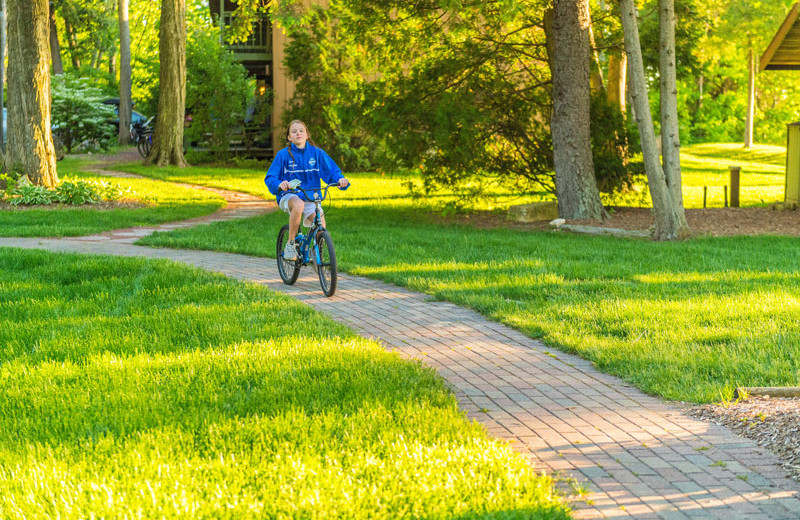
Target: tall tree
pixel 55 48
pixel 2 70
pixel 751 99
pixel 669 224
pixel 670 139
pixel 125 107
pixel 168 136
pixel 576 188
pixel 30 142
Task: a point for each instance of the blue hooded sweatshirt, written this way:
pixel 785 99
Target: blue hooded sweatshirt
pixel 309 165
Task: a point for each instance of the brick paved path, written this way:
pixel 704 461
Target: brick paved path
pixel 637 457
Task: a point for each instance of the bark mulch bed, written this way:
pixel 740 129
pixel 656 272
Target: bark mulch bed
pixel 703 222
pixel 773 423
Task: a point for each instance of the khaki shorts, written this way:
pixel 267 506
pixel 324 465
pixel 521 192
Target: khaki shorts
pixel 308 209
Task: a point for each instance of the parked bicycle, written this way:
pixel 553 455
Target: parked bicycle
pixel 315 247
pixel 142 135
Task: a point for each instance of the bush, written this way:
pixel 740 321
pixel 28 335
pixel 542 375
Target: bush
pixel 612 144
pixel 31 194
pixel 217 89
pixel 8 182
pixel 68 192
pixel 77 193
pixel 78 114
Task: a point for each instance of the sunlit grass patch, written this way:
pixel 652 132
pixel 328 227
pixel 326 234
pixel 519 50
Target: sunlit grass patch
pixel 147 388
pixel 160 202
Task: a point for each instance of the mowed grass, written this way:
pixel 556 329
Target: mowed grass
pixel 147 389
pixel 762 181
pixel 763 173
pixel 158 202
pixel 687 320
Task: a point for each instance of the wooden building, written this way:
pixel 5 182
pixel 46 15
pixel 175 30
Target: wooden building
pixel 262 55
pixel 783 53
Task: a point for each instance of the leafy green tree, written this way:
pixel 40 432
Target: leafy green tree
pixel 78 112
pixel 217 90
pixel 454 89
pixel 713 104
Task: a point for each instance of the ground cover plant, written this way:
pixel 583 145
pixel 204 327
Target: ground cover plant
pixel 135 388
pixel 687 320
pixel 150 202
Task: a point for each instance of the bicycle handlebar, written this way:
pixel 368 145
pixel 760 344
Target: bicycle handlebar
pixel 323 189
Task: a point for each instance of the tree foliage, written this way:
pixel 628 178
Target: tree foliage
pixel 78 112
pixel 451 88
pixel 217 90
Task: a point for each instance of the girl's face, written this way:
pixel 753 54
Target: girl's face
pixel 298 135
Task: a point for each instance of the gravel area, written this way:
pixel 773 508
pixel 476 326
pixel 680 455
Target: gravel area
pixel 773 423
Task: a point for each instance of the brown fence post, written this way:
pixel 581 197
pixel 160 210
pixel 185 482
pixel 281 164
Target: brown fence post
pixel 735 171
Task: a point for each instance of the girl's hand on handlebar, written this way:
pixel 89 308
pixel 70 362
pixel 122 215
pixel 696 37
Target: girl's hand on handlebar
pixel 343 182
pixel 283 186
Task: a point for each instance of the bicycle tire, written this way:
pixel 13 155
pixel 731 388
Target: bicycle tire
pixel 288 269
pixel 144 144
pixel 326 265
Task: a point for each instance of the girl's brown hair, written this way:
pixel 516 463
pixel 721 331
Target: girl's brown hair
pixel 289 128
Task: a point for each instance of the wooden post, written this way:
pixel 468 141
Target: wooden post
pixel 725 190
pixel 735 171
pixel 705 196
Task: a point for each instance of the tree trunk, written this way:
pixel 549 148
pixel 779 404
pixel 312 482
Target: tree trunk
pixel 97 57
pixel 30 143
pixel 751 100
pixel 55 48
pixel 576 187
pixel 3 13
pixel 670 135
pixel 667 225
pixel 617 79
pixel 72 44
pixel 596 82
pixel 168 136
pixel 125 105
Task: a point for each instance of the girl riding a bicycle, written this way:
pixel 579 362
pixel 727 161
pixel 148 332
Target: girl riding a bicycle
pixel 305 162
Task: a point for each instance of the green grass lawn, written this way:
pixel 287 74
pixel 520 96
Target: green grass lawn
pixel 763 173
pixel 160 202
pixel 762 181
pixel 148 389
pixel 689 320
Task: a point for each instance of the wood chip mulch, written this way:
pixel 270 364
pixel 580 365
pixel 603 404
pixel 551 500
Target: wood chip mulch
pixel 773 423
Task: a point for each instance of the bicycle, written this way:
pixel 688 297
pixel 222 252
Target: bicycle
pixel 315 247
pixel 142 135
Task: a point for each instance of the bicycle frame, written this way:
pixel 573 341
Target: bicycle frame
pixel 314 247
pixel 305 240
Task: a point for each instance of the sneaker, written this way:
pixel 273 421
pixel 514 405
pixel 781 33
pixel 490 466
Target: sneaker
pixel 289 252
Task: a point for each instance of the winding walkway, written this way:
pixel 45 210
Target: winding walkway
pixel 634 456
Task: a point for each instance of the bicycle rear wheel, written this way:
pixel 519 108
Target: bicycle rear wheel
pixel 144 144
pixel 288 269
pixel 325 259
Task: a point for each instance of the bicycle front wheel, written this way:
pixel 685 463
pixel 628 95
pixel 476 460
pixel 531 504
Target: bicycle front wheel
pixel 288 269
pixel 325 260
